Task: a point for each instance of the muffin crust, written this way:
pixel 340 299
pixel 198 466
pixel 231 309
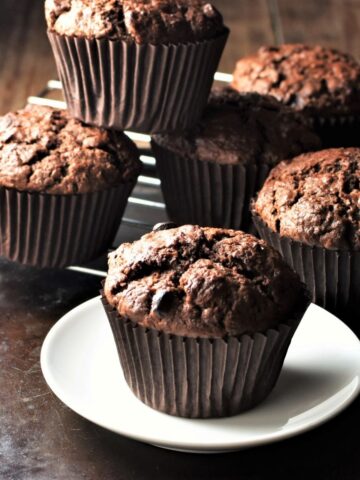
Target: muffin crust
pixel 144 21
pixel 243 129
pixel 315 199
pixel 46 150
pixel 198 281
pixel 311 79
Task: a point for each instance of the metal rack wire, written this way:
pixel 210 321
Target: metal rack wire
pixel 145 206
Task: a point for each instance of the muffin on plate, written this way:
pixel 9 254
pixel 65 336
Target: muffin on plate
pixel 63 187
pixel 202 318
pixel 143 65
pixel 321 83
pixel 309 209
pixel 210 173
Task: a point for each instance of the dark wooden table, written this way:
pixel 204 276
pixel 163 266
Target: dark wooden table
pixel 40 438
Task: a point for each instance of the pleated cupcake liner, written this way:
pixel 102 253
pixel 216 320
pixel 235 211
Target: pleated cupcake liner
pixel 206 193
pixel 338 130
pixel 147 88
pixel 332 276
pixel 46 230
pixel 200 377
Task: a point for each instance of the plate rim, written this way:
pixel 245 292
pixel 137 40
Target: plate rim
pixel 188 446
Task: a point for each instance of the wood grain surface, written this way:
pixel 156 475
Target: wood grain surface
pixel 26 61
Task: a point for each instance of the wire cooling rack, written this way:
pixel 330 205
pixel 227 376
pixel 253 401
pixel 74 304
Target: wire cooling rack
pixel 146 205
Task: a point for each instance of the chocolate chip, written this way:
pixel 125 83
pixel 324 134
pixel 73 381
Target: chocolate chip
pixel 350 184
pixel 162 302
pixel 163 226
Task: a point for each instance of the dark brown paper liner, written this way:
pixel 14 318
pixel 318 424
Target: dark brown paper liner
pixel 146 88
pixel 206 193
pixel 58 230
pixel 338 131
pixel 332 276
pixel 199 378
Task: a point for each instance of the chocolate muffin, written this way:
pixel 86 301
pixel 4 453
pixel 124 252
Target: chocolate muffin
pixel 210 173
pixel 309 209
pixel 321 83
pixel 58 179
pixel 46 150
pixel 195 297
pixel 156 22
pixel 156 59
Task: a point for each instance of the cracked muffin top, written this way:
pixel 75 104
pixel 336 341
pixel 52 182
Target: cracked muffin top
pixel 203 282
pixel 243 129
pixel 316 80
pixel 144 21
pixel 315 199
pixel 46 150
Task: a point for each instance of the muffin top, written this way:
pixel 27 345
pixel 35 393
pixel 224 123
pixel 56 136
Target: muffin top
pixel 311 79
pixel 243 129
pixel 144 21
pixel 46 150
pixel 315 199
pixel 201 281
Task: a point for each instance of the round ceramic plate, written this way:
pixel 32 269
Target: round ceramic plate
pixel 320 377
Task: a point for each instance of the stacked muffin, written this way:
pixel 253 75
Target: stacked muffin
pixel 143 65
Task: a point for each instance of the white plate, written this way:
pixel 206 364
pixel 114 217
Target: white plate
pixel 321 376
